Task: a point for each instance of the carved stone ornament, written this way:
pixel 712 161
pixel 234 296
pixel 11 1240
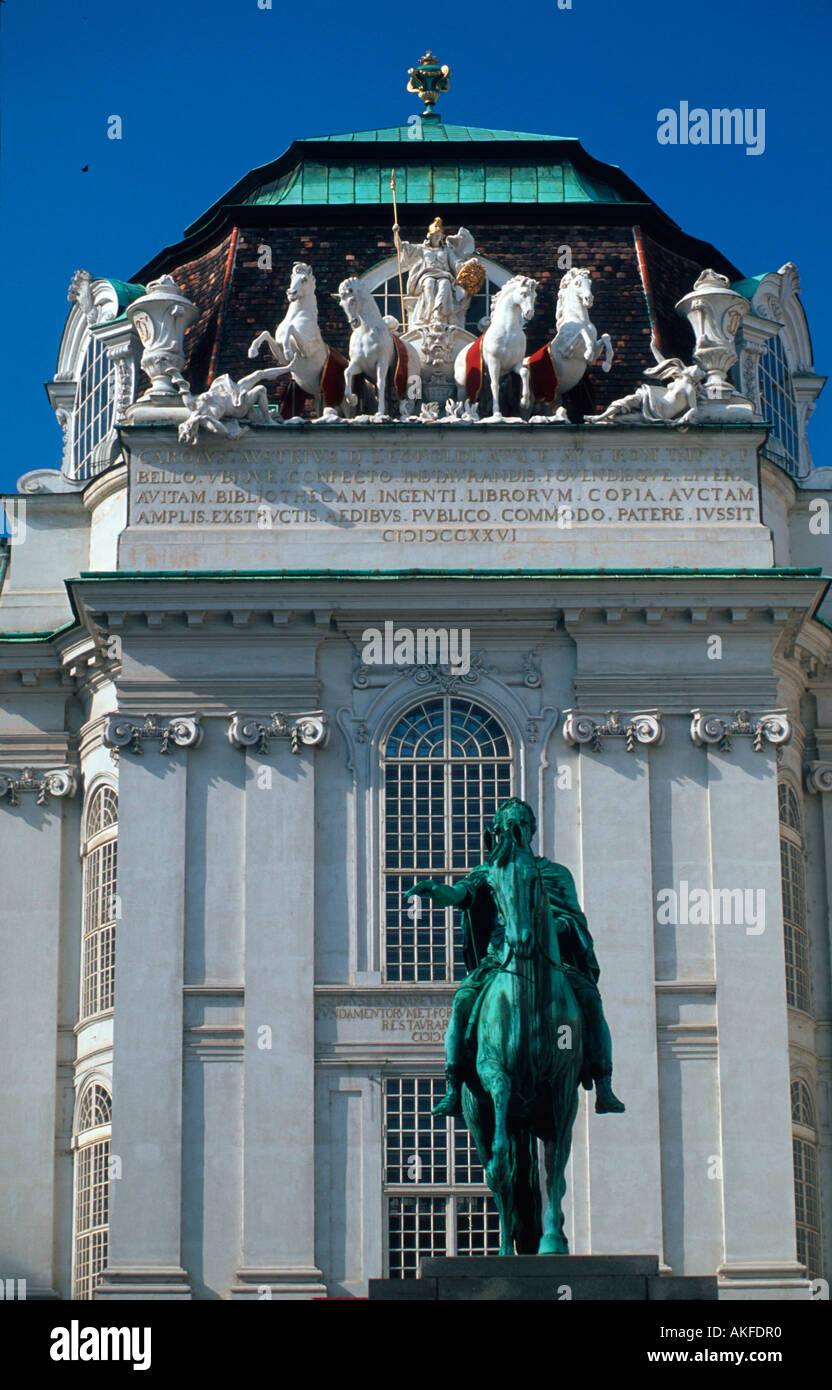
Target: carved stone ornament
pixel 80 292
pixel 712 730
pixel 819 777
pixel 123 731
pixel 57 782
pixel 714 312
pixel 308 730
pixel 160 318
pixel 644 727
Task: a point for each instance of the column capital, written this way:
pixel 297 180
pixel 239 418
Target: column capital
pixel 55 782
pixel 773 726
pixel 642 726
pixel 819 776
pixel 310 729
pixel 131 731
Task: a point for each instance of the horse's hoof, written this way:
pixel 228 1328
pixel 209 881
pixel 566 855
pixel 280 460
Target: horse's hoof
pixel 553 1245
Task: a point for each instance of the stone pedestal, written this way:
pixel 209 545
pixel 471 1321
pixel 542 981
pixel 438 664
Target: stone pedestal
pixel 545 1279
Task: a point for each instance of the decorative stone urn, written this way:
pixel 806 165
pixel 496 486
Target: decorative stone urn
pixel 161 318
pixel 714 312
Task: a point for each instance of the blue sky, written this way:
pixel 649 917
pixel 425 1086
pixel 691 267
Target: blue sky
pixel 208 89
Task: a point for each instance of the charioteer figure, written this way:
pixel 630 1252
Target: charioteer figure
pixel 484 953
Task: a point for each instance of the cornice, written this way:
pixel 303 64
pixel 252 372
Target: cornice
pixel 676 692
pixel 607 602
pixel 35 748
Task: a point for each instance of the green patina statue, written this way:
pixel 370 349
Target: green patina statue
pixel 527 1025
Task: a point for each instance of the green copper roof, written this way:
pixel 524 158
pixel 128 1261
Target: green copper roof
pixel 749 287
pixel 464 180
pixel 432 130
pixel 449 165
pixel 126 291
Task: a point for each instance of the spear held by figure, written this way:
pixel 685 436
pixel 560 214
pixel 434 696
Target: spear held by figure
pixel 398 245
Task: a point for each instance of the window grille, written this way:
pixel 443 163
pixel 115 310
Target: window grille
pixel 806 1186
pixel 100 904
pixel 93 408
pixel 793 889
pixel 435 1192
pixel 779 407
pixel 92 1192
pixel 447 765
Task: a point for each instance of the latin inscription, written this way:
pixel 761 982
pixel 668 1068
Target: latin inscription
pixel 418 1023
pixel 445 494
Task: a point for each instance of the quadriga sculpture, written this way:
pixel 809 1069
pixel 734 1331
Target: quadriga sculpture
pixel 527 1026
pixel 502 347
pixel 297 345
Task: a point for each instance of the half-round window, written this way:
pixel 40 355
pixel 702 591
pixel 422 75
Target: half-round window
pixel 383 280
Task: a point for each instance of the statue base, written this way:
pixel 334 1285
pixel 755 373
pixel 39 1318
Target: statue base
pixel 546 1278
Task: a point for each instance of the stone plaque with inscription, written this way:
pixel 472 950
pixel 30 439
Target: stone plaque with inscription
pixel 439 497
pixel 382 1022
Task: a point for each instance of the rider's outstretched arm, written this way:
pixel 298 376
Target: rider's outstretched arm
pixel 444 894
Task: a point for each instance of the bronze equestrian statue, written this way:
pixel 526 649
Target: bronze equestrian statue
pixel 527 1025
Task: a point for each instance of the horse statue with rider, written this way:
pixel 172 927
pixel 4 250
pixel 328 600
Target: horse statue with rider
pixel 527 1026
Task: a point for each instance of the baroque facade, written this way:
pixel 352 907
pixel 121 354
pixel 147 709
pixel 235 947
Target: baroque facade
pixel 214 796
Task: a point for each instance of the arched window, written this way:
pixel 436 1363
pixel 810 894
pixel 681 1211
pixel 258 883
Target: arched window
pixel 92 1189
pixel 98 949
pixel 777 397
pixel 447 765
pixel 806 1189
pixel 93 408
pixel 383 280
pixel 793 887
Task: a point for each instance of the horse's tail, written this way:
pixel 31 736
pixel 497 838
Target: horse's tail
pixel 526 1224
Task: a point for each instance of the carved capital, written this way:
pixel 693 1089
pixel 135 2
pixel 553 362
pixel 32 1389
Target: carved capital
pixel 644 727
pixel 819 777
pixel 310 730
pixel 712 730
pixel 130 732
pixel 55 781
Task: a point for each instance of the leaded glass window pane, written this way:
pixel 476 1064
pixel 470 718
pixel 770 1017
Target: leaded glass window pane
pixel 807 1207
pixel 795 933
pixel 92 1193
pixel 93 408
pixel 447 765
pixel 779 407
pixel 100 904
pixel 436 1198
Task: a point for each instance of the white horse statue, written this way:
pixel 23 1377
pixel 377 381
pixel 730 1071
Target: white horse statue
pixel 299 348
pixel 501 348
pixel 374 350
pixel 562 363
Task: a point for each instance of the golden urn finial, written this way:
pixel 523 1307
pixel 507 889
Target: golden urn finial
pixel 429 80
